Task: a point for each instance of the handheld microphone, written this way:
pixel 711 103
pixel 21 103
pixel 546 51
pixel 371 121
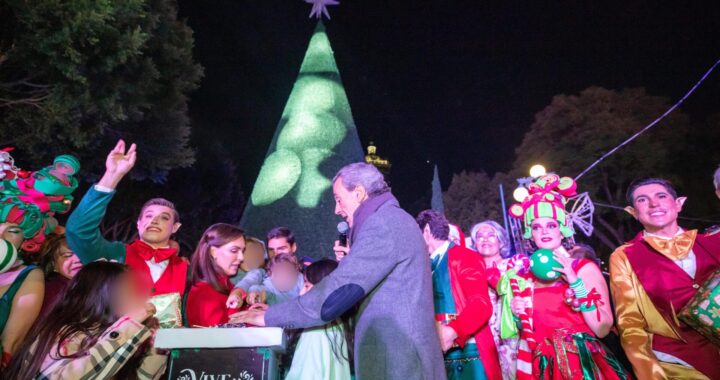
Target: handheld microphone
pixel 343 229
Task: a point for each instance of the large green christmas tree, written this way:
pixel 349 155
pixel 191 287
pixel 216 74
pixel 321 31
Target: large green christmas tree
pixel 316 136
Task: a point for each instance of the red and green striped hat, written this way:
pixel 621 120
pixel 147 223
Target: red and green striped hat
pixel 547 198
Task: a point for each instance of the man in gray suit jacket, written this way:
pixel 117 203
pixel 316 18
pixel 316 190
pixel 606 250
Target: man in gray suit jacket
pixel 387 273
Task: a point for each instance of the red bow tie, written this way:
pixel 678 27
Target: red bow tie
pixel 147 252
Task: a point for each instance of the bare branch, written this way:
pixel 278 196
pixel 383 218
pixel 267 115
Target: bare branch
pixel 611 229
pixel 604 239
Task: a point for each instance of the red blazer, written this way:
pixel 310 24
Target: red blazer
pixel 472 301
pixel 172 280
pixel 670 289
pixel 206 306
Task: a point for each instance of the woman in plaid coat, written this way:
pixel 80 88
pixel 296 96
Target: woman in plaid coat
pixel 101 329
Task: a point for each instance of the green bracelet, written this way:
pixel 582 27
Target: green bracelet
pixel 578 286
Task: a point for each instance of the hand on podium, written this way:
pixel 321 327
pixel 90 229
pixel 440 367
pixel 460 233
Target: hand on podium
pixel 255 316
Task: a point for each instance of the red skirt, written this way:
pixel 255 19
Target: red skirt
pixel 575 355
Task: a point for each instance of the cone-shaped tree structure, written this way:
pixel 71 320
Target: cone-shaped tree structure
pixel 436 202
pixel 316 136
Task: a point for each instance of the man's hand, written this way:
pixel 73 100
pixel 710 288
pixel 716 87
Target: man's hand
pixel 447 337
pixel 118 164
pixel 255 317
pixel 340 251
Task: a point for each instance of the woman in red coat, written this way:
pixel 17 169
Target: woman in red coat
pixel 217 258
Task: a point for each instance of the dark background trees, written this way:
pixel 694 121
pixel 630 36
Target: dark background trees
pixel 77 75
pixel 574 130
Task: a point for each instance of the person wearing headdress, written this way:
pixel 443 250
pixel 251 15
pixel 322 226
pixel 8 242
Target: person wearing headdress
pixel 31 200
pixel 562 303
pixel 28 203
pixel 462 303
pixel 152 257
pixel 666 287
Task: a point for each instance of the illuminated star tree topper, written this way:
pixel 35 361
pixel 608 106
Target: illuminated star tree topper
pixel 319 7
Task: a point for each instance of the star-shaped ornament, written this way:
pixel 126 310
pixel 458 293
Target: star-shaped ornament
pixel 319 7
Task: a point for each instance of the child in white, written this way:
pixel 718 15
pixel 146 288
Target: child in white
pixel 322 353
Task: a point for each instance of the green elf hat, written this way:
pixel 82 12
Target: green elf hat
pixel 27 216
pixel 70 160
pixel 547 198
pixel 48 183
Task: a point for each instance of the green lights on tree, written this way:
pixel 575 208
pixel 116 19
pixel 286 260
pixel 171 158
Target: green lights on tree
pixel 316 136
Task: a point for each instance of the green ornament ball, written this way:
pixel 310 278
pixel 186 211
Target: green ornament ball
pixel 542 263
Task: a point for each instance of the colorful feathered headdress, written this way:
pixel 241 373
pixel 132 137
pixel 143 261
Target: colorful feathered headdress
pixel 547 197
pixel 31 199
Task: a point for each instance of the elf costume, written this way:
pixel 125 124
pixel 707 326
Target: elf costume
pixel 31 199
pixel 84 238
pixel 555 340
pixel 651 292
pixel 460 294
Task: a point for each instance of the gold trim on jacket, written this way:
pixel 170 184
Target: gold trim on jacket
pixel 638 320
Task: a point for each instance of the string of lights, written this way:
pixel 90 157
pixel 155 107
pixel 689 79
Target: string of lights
pixel 647 127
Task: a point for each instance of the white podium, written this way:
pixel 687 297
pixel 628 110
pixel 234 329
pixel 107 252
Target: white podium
pixel 249 353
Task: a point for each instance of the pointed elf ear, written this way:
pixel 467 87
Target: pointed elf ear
pixel 631 210
pixel 680 201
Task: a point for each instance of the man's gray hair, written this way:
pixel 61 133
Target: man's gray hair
pixel 500 233
pixel 362 174
pixel 716 179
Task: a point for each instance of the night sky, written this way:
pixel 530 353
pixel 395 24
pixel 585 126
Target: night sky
pixel 452 82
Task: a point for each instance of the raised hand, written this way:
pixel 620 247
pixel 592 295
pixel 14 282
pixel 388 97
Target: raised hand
pixel 118 163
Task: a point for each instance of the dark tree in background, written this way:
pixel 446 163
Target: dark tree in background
pixel 575 130
pixel 77 75
pixel 473 197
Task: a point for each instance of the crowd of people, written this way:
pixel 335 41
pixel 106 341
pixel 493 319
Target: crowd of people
pixel 406 298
